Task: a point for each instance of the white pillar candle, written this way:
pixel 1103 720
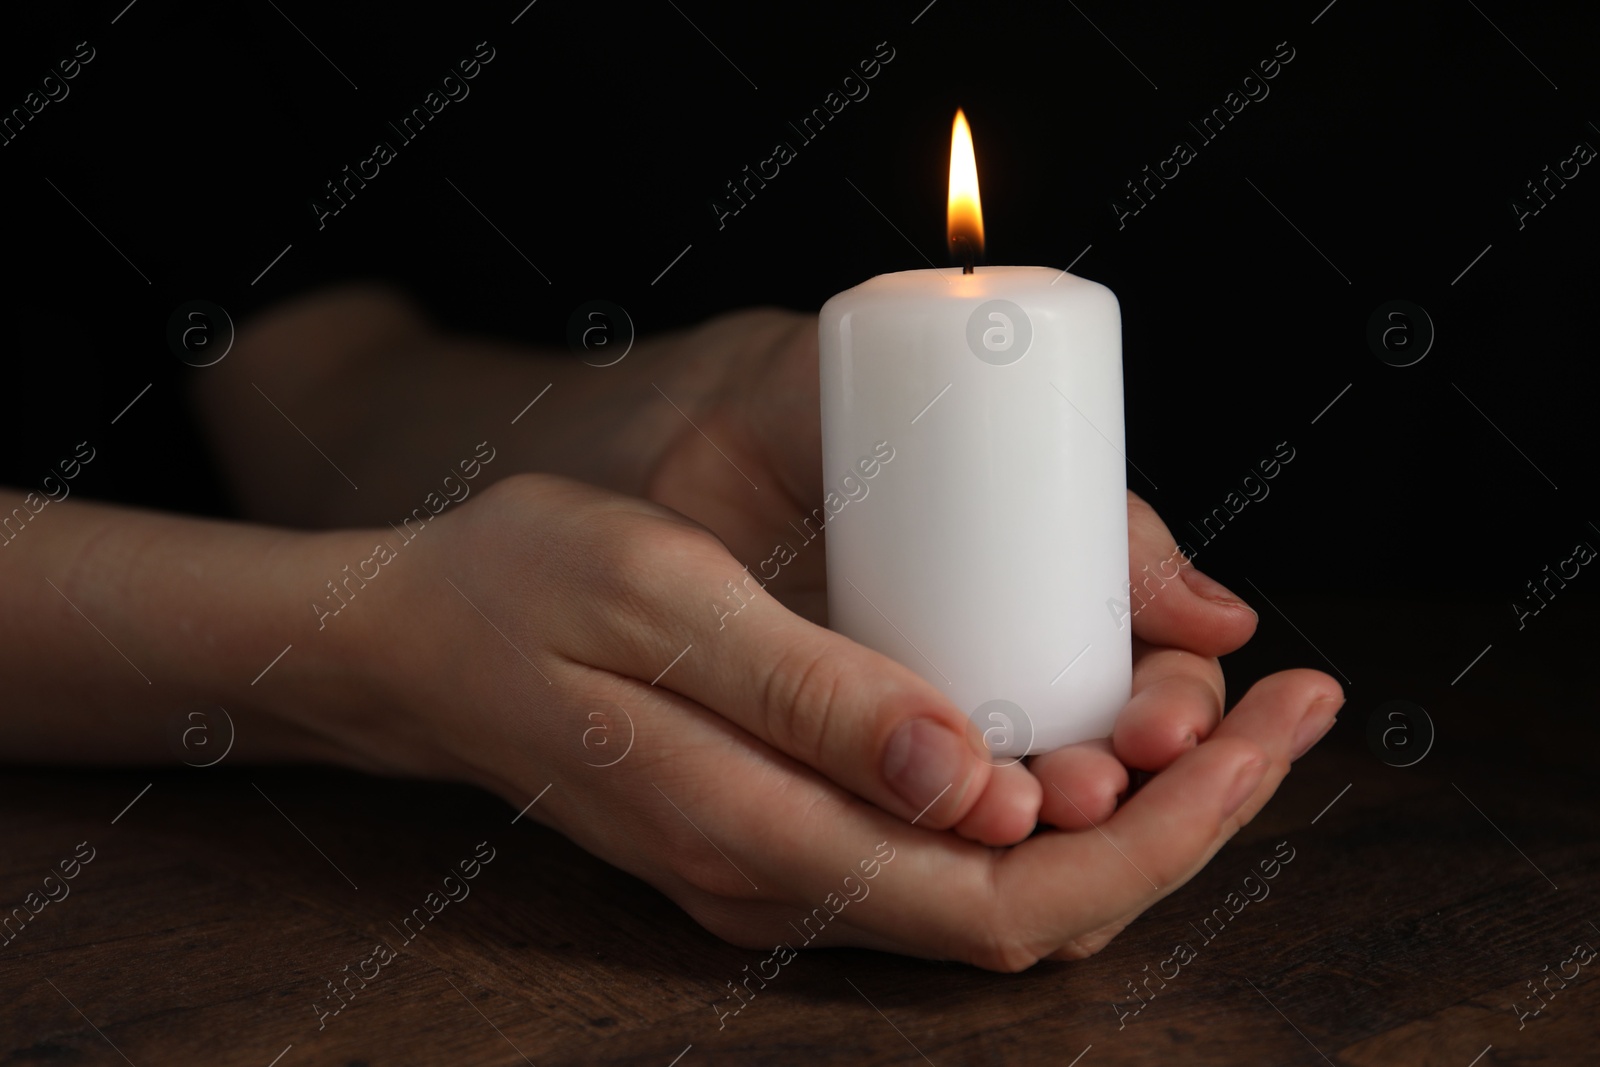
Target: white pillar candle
pixel 990 552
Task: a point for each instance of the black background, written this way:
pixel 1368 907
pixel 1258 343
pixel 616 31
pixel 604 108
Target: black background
pixel 1395 141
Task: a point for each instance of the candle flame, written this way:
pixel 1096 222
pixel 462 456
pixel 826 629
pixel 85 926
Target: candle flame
pixel 965 217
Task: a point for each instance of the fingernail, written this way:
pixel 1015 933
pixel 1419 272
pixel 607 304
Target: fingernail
pixel 924 759
pixel 1319 719
pixel 1202 584
pixel 1244 784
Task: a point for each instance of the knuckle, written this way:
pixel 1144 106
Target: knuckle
pixel 801 696
pixel 1201 691
pixel 639 555
pixel 1219 685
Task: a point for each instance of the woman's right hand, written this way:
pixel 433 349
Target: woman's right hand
pixel 543 626
pixel 550 633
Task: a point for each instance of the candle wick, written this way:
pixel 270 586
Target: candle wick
pixel 963 248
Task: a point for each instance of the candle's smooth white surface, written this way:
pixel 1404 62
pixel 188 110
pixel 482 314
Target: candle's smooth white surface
pixel 989 553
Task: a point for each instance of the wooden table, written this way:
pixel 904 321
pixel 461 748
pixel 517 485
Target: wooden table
pixel 1419 902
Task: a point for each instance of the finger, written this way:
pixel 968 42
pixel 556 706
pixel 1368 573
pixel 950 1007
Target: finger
pixel 775 422
pixel 1006 910
pixel 1008 810
pixel 811 844
pixel 1057 893
pixel 1003 914
pixel 1151 663
pixel 865 721
pixel 809 866
pixel 1082 784
pixel 1272 720
pixel 784 405
pixel 758 848
pixel 1176 704
pixel 1170 602
pixel 1154 843
pixel 1285 713
pixel 685 617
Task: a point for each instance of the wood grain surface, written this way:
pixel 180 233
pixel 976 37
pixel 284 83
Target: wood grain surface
pixel 1416 909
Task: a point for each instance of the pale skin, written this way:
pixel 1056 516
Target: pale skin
pixel 539 609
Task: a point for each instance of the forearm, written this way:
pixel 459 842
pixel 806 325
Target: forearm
pixel 117 623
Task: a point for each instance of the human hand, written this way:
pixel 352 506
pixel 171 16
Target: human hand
pixel 542 606
pixel 748 466
pixel 543 603
pixel 1058 895
pixel 738 400
pixel 1182 621
pixel 585 588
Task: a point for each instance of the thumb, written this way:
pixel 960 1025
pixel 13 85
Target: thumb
pixel 872 725
pixel 869 724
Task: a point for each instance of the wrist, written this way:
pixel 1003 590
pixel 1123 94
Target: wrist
pixel 327 663
pixel 224 617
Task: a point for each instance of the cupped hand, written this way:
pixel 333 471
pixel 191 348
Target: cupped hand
pixel 555 602
pixel 742 769
pixel 729 412
pixel 750 759
pixel 544 616
pixel 1182 620
pixel 746 462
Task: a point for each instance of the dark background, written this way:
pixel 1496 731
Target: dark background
pixel 596 138
pixel 1389 552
